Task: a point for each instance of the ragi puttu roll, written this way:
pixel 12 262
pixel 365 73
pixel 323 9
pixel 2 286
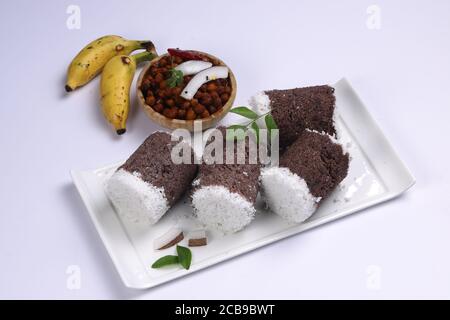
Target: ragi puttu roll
pixel 295 110
pixel 308 172
pixel 149 182
pixel 224 195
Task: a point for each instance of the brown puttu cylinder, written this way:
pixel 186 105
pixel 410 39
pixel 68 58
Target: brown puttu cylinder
pixel 224 194
pixel 295 110
pixel 309 170
pixel 149 182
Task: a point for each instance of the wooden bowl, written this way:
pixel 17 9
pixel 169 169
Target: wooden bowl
pixel 186 124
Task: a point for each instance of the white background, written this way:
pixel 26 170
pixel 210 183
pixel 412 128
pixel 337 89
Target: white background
pixel 401 71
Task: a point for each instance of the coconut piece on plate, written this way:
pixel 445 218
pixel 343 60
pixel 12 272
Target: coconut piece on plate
pixel 149 183
pixel 168 239
pixel 197 238
pixel 308 172
pixel 295 110
pixel 224 195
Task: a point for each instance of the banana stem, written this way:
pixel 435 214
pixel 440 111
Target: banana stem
pixel 143 56
pixel 147 45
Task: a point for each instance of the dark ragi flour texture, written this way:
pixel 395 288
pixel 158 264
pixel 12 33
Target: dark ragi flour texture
pixel 295 110
pixel 309 170
pixel 318 160
pixel 149 182
pixel 224 195
pixel 152 161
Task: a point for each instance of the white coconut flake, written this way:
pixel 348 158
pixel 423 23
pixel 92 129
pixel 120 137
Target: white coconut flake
pixel 196 182
pixel 136 200
pixel 197 234
pixel 218 208
pixel 287 194
pixel 333 139
pixel 260 103
pixel 168 239
pixel 197 238
pixel 213 73
pixel 193 67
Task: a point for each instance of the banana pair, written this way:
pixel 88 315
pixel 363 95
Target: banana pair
pixel 112 55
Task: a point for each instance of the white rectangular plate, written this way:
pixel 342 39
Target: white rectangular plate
pixel 376 174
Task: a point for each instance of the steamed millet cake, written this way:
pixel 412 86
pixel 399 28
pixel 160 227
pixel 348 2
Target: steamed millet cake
pixel 224 195
pixel 308 172
pixel 149 183
pixel 295 110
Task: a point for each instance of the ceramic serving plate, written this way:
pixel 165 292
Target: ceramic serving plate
pixel 376 174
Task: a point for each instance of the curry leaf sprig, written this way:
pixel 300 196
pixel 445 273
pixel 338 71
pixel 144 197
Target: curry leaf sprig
pixel 175 78
pixel 252 124
pixel 165 261
pixel 183 258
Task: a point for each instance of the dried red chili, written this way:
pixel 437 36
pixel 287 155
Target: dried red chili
pixel 186 54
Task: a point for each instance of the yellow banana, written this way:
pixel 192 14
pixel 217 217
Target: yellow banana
pixel 92 58
pixel 115 83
